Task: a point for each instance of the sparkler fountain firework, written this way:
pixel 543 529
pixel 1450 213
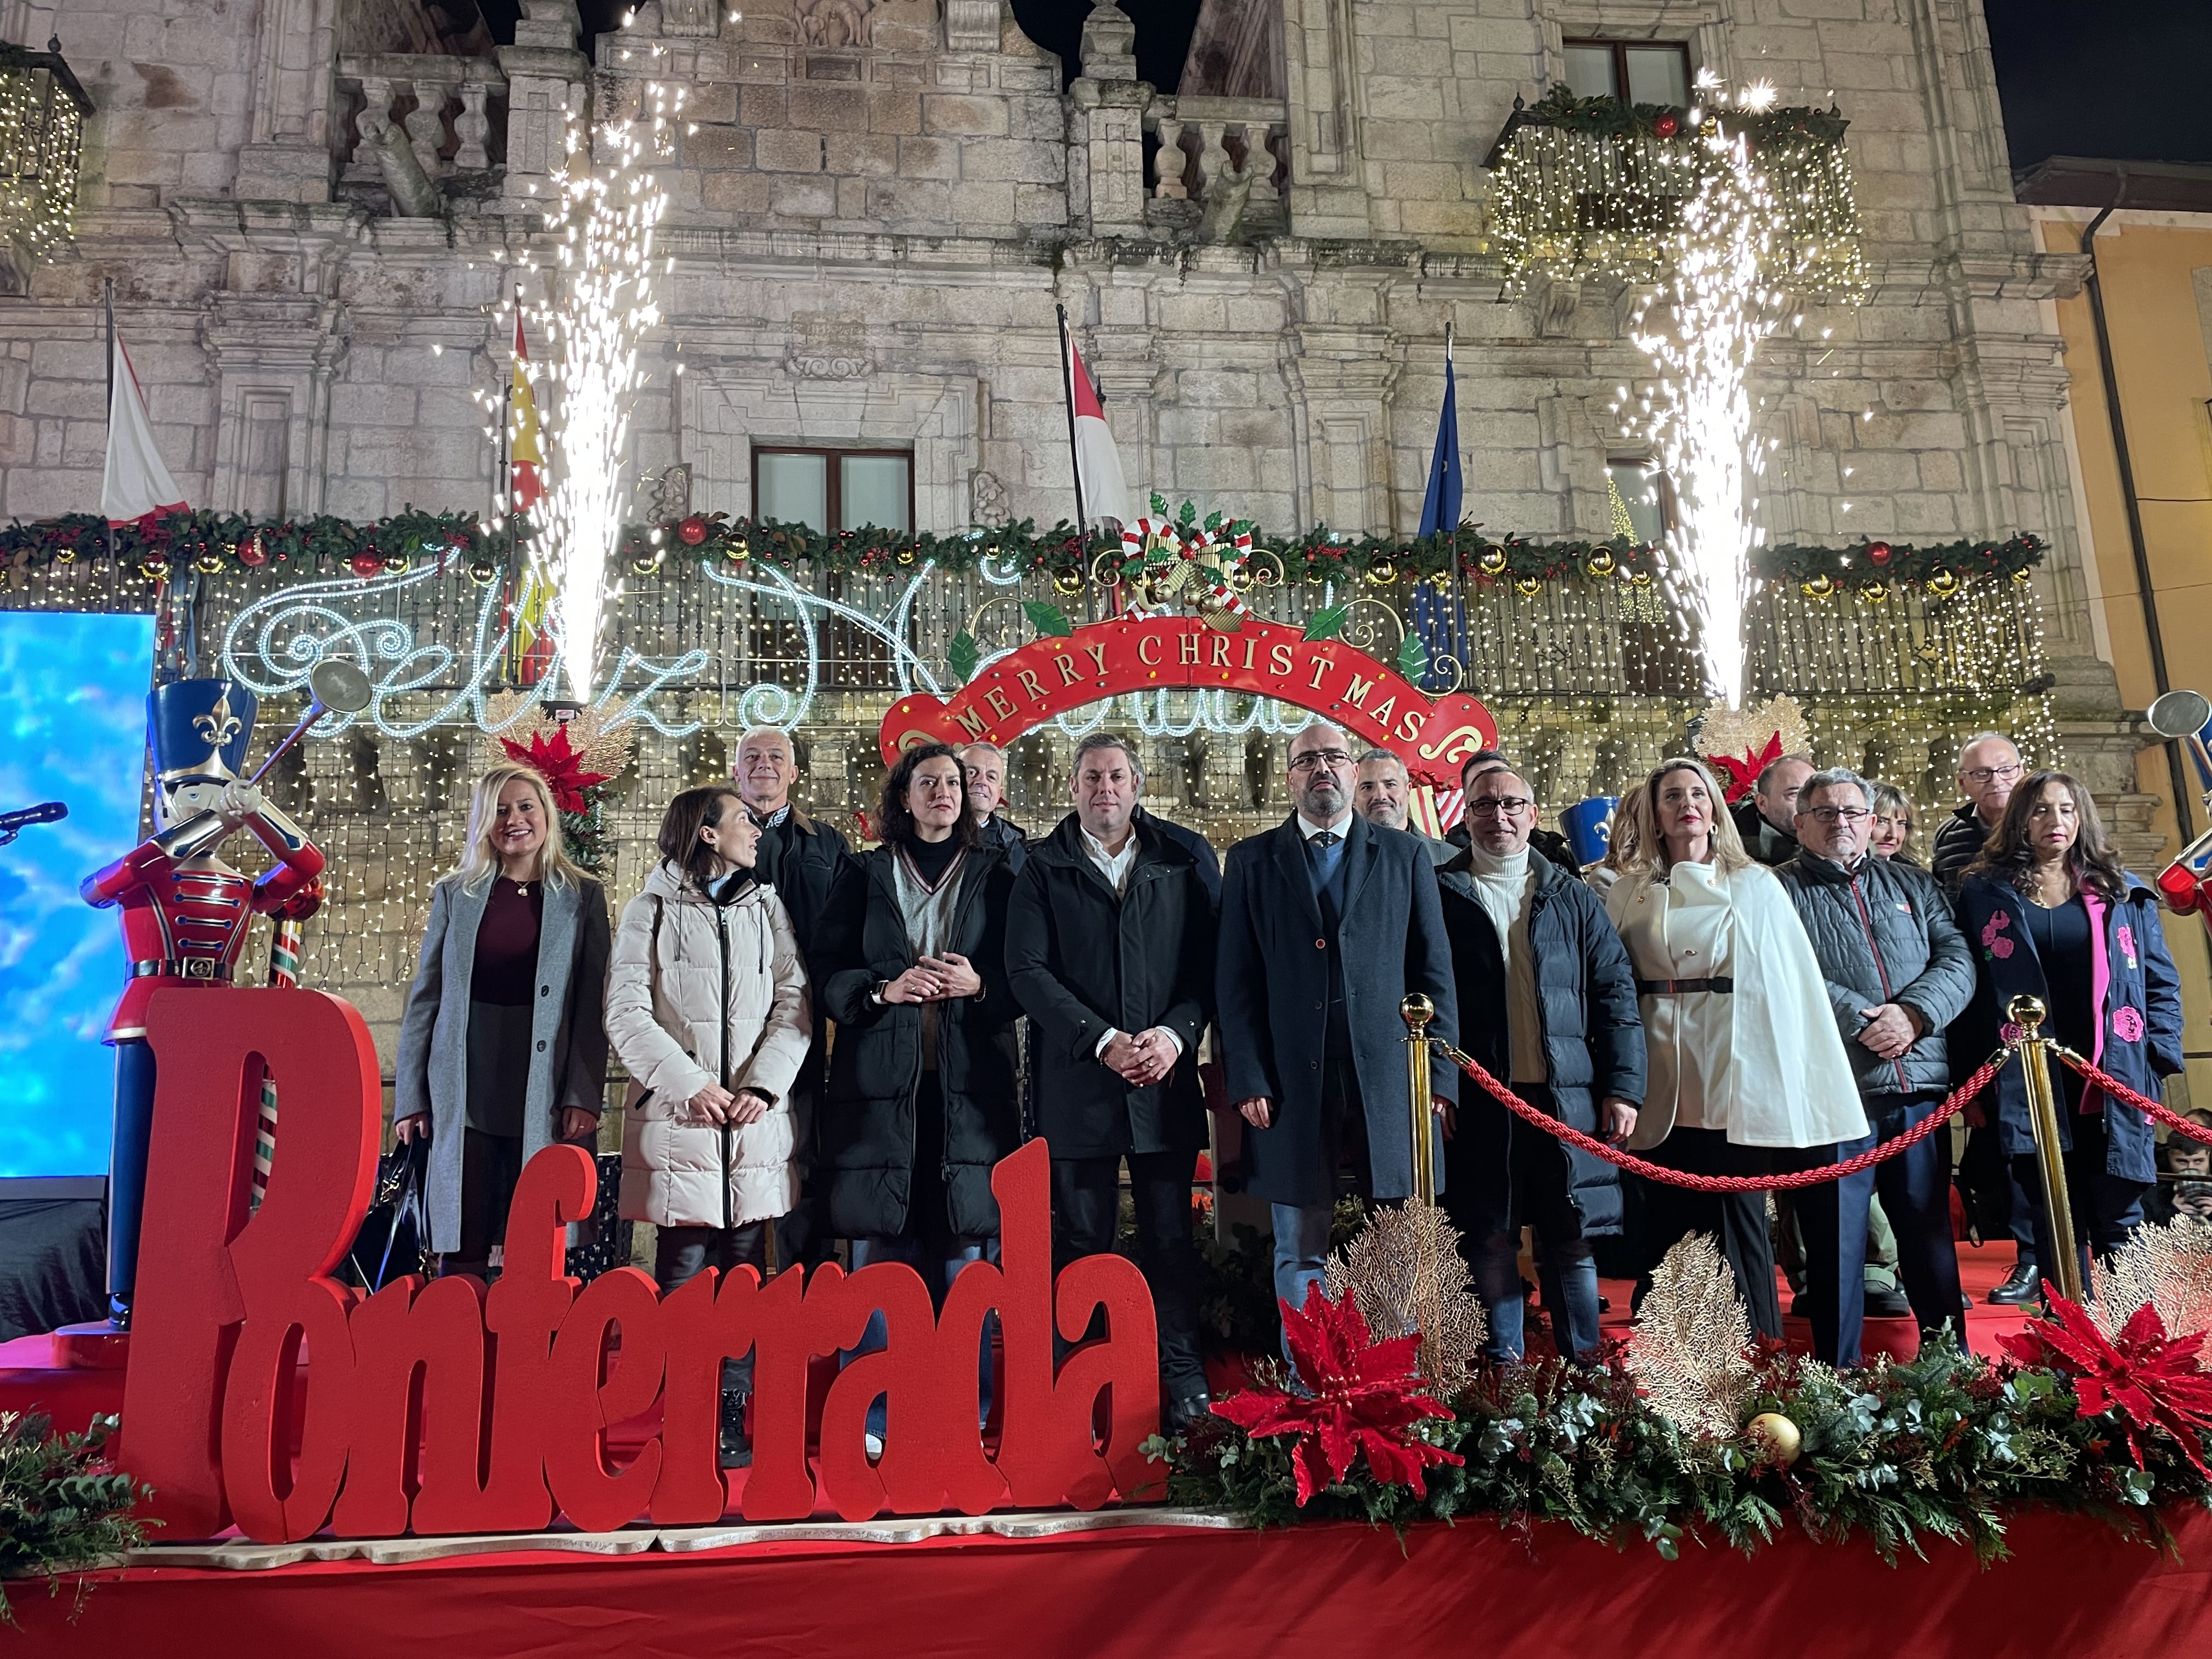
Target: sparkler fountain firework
pixel 602 301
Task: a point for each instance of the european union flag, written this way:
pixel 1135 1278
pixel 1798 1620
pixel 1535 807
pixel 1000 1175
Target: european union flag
pixel 1440 507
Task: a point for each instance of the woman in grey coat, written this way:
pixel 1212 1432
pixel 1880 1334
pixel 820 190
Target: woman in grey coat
pixel 502 1051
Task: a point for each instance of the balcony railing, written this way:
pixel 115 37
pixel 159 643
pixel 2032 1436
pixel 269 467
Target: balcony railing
pixel 1209 149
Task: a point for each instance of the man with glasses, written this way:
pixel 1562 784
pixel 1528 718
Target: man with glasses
pixel 1898 971
pixel 1989 769
pixel 1548 843
pixel 1327 923
pixel 1547 1001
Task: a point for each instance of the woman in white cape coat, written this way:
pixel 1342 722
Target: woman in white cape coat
pixel 1745 1061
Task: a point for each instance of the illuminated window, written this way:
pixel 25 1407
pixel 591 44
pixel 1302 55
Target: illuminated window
pixel 833 489
pixel 1634 71
pixel 1639 499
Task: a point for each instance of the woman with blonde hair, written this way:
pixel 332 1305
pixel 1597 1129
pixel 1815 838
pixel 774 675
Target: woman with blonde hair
pixel 502 1048
pixel 1744 1059
pixel 707 1004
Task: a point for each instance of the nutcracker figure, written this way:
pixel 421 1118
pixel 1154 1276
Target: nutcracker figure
pixel 186 912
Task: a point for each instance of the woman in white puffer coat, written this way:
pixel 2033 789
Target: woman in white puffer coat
pixel 707 1006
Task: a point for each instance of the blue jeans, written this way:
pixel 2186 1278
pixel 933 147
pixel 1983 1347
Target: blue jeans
pixel 1301 1252
pixel 1569 1273
pixel 939 1274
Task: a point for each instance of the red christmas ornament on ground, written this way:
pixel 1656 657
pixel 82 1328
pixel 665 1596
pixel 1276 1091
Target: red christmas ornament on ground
pixel 692 531
pixel 365 565
pixel 1666 125
pixel 1366 1397
pixel 1879 552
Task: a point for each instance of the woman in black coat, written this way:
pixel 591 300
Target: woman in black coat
pixel 921 1100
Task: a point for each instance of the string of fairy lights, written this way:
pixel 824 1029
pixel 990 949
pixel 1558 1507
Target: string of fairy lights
pixel 41 144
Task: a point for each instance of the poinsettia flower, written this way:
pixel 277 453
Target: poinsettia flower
pixel 2151 1380
pixel 1367 1398
pixel 560 767
pixel 1742 774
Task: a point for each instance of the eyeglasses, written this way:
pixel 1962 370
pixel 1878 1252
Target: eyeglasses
pixel 1830 814
pixel 1499 806
pixel 1993 773
pixel 1331 758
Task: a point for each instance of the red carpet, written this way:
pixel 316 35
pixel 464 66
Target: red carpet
pixel 2073 1589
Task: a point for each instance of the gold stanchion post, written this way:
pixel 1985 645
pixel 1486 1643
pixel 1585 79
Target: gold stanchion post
pixel 1417 1011
pixel 2027 1012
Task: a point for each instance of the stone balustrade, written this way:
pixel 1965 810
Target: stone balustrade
pixel 1210 147
pixel 445 105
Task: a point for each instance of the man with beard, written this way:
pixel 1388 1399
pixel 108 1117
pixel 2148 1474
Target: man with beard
pixel 1327 923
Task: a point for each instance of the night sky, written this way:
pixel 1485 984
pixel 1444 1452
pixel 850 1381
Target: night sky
pixel 2123 79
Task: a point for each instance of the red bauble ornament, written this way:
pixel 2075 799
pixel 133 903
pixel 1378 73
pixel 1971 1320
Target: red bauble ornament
pixel 1666 125
pixel 252 554
pixel 366 565
pixel 692 531
pixel 1879 552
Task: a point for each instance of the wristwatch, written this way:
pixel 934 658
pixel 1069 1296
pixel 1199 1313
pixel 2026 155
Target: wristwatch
pixel 876 993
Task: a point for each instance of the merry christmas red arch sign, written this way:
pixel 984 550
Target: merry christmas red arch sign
pixel 1059 673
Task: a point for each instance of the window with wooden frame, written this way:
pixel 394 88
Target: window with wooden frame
pixel 1633 71
pixel 1640 499
pixel 834 490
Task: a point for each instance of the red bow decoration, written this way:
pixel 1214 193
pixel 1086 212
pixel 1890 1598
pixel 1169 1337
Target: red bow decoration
pixel 1741 776
pixel 2153 1380
pixel 1367 1398
pixel 553 760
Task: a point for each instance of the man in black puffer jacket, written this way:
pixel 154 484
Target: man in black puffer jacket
pixel 1897 972
pixel 1550 1007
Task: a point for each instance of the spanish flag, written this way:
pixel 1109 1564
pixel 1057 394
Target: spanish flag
pixel 524 456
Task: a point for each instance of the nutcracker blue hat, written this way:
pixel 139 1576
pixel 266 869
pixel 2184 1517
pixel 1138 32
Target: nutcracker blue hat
pixel 200 729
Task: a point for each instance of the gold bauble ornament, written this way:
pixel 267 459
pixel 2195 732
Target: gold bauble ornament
pixel 1491 559
pixel 154 570
pixel 1877 593
pixel 208 562
pixel 1600 562
pixel 1783 1440
pixel 1820 588
pixel 1381 572
pixel 1528 587
pixel 904 558
pixel 2023 576
pixel 1640 579
pixel 1067 582
pixel 66 555
pixel 737 550
pixel 1241 578
pixel 1942 583
pixel 646 563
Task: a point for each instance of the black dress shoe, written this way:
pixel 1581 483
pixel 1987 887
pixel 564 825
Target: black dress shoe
pixel 2021 1285
pixel 733 1448
pixel 1186 1412
pixel 1886 1302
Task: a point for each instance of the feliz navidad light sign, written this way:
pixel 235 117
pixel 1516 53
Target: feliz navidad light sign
pixel 263 1393
pixel 1059 672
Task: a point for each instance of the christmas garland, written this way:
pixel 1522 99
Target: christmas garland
pixel 210 543
pixel 1611 118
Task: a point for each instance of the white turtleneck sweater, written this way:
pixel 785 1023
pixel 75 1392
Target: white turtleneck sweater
pixel 1503 885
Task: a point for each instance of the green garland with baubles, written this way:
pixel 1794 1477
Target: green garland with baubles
pixel 325 547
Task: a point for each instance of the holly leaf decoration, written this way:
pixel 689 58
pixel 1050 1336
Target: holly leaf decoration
pixel 1050 620
pixel 1159 504
pixel 963 657
pixel 1413 658
pixel 1189 516
pixel 1327 623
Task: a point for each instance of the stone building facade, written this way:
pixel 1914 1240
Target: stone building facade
pixel 875 208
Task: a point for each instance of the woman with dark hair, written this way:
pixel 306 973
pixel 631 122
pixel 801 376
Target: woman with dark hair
pixel 707 1006
pixel 502 1051
pixel 921 1099
pixel 2050 913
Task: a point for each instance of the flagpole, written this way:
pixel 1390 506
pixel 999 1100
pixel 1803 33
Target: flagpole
pixel 1068 386
pixel 108 298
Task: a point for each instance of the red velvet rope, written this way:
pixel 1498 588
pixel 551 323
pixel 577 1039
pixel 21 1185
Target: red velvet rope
pixel 2111 1085
pixel 1789 1182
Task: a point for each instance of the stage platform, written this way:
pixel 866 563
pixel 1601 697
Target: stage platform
pixel 1141 1589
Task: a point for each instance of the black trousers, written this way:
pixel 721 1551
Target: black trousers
pixel 490 1167
pixel 1916 1195
pixel 2106 1209
pixel 1086 1217
pixel 1737 1221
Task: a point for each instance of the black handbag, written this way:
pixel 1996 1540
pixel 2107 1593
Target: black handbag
pixel 395 1235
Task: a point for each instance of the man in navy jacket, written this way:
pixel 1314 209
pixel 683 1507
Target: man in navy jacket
pixel 1327 923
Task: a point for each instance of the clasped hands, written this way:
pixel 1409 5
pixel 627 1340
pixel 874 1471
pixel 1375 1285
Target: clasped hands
pixel 1143 1060
pixel 1889 1030
pixel 936 979
pixel 718 1105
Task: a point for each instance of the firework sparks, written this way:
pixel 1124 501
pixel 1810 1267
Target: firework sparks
pixel 602 302
pixel 1716 303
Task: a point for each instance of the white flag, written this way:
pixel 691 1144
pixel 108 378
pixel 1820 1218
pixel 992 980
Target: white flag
pixel 1098 462
pixel 135 483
